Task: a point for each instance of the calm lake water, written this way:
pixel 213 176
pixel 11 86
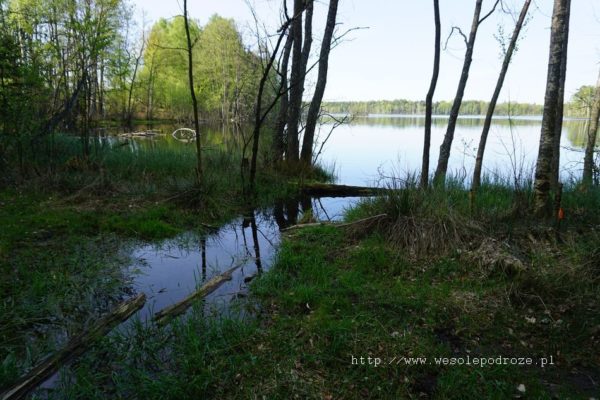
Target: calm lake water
pixel 393 145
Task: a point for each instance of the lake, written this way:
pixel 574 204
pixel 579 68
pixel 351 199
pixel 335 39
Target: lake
pixel 393 145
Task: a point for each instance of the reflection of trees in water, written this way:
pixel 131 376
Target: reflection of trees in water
pixel 257 259
pixel 577 133
pixel 226 136
pixel 287 212
pixel 203 253
pixel 250 221
pixel 441 121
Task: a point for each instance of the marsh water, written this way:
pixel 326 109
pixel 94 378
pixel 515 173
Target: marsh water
pixel 361 153
pixel 366 151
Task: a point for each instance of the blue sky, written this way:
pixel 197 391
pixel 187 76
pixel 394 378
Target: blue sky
pixel 392 58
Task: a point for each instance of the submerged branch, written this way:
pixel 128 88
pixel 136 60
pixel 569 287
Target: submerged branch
pixel 167 314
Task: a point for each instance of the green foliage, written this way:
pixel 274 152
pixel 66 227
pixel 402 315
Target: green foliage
pixel 581 102
pixel 50 51
pixel 226 74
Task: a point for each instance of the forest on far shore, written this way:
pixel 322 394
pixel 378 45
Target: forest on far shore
pixel 577 107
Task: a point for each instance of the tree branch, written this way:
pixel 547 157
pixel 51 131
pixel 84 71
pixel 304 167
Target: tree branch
pixel 490 13
pixel 456 28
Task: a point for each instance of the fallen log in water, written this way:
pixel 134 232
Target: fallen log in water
pixel 141 134
pixel 75 347
pixel 368 220
pixel 331 190
pixel 168 313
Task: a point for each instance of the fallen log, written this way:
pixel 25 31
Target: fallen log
pixel 331 190
pixel 168 313
pixel 368 220
pixel 141 134
pixel 75 347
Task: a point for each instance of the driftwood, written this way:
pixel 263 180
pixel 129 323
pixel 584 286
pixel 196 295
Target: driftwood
pixel 168 313
pixel 368 220
pixel 331 190
pixel 141 134
pixel 76 346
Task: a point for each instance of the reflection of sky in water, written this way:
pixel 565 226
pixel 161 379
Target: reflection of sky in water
pixel 394 146
pixel 171 270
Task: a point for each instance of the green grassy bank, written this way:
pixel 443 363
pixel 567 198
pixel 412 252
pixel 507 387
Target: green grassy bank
pixel 390 310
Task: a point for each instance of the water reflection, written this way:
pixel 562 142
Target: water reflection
pixel 173 269
pixel 376 146
pixel 382 145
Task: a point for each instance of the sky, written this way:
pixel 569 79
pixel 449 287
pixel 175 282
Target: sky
pixel 391 57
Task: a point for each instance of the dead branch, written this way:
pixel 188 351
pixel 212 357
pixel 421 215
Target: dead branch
pixel 456 28
pixel 490 13
pixel 331 190
pixel 367 220
pixel 168 313
pixel 76 346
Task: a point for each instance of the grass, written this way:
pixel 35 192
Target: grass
pixel 420 284
pixel 338 300
pixel 67 222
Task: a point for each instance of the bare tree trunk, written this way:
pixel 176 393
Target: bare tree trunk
pixel 278 133
pixel 259 114
pixel 138 59
pixel 442 167
pixel 101 90
pixel 429 97
pixel 490 111
pixel 193 93
pixel 560 105
pixel 543 171
pixel 315 105
pixel 588 159
pixel 299 63
pixel 150 91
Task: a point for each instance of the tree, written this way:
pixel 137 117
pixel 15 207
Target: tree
pixel 429 97
pixel 588 159
pixel 315 105
pixel 492 105
pixel 138 59
pixel 300 53
pixel 543 171
pixel 225 74
pixel 560 104
pixel 279 130
pixel 442 167
pixel 193 93
pixel 67 44
pixel 260 113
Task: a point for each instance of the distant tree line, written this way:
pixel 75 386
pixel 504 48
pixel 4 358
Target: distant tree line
pixel 575 108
